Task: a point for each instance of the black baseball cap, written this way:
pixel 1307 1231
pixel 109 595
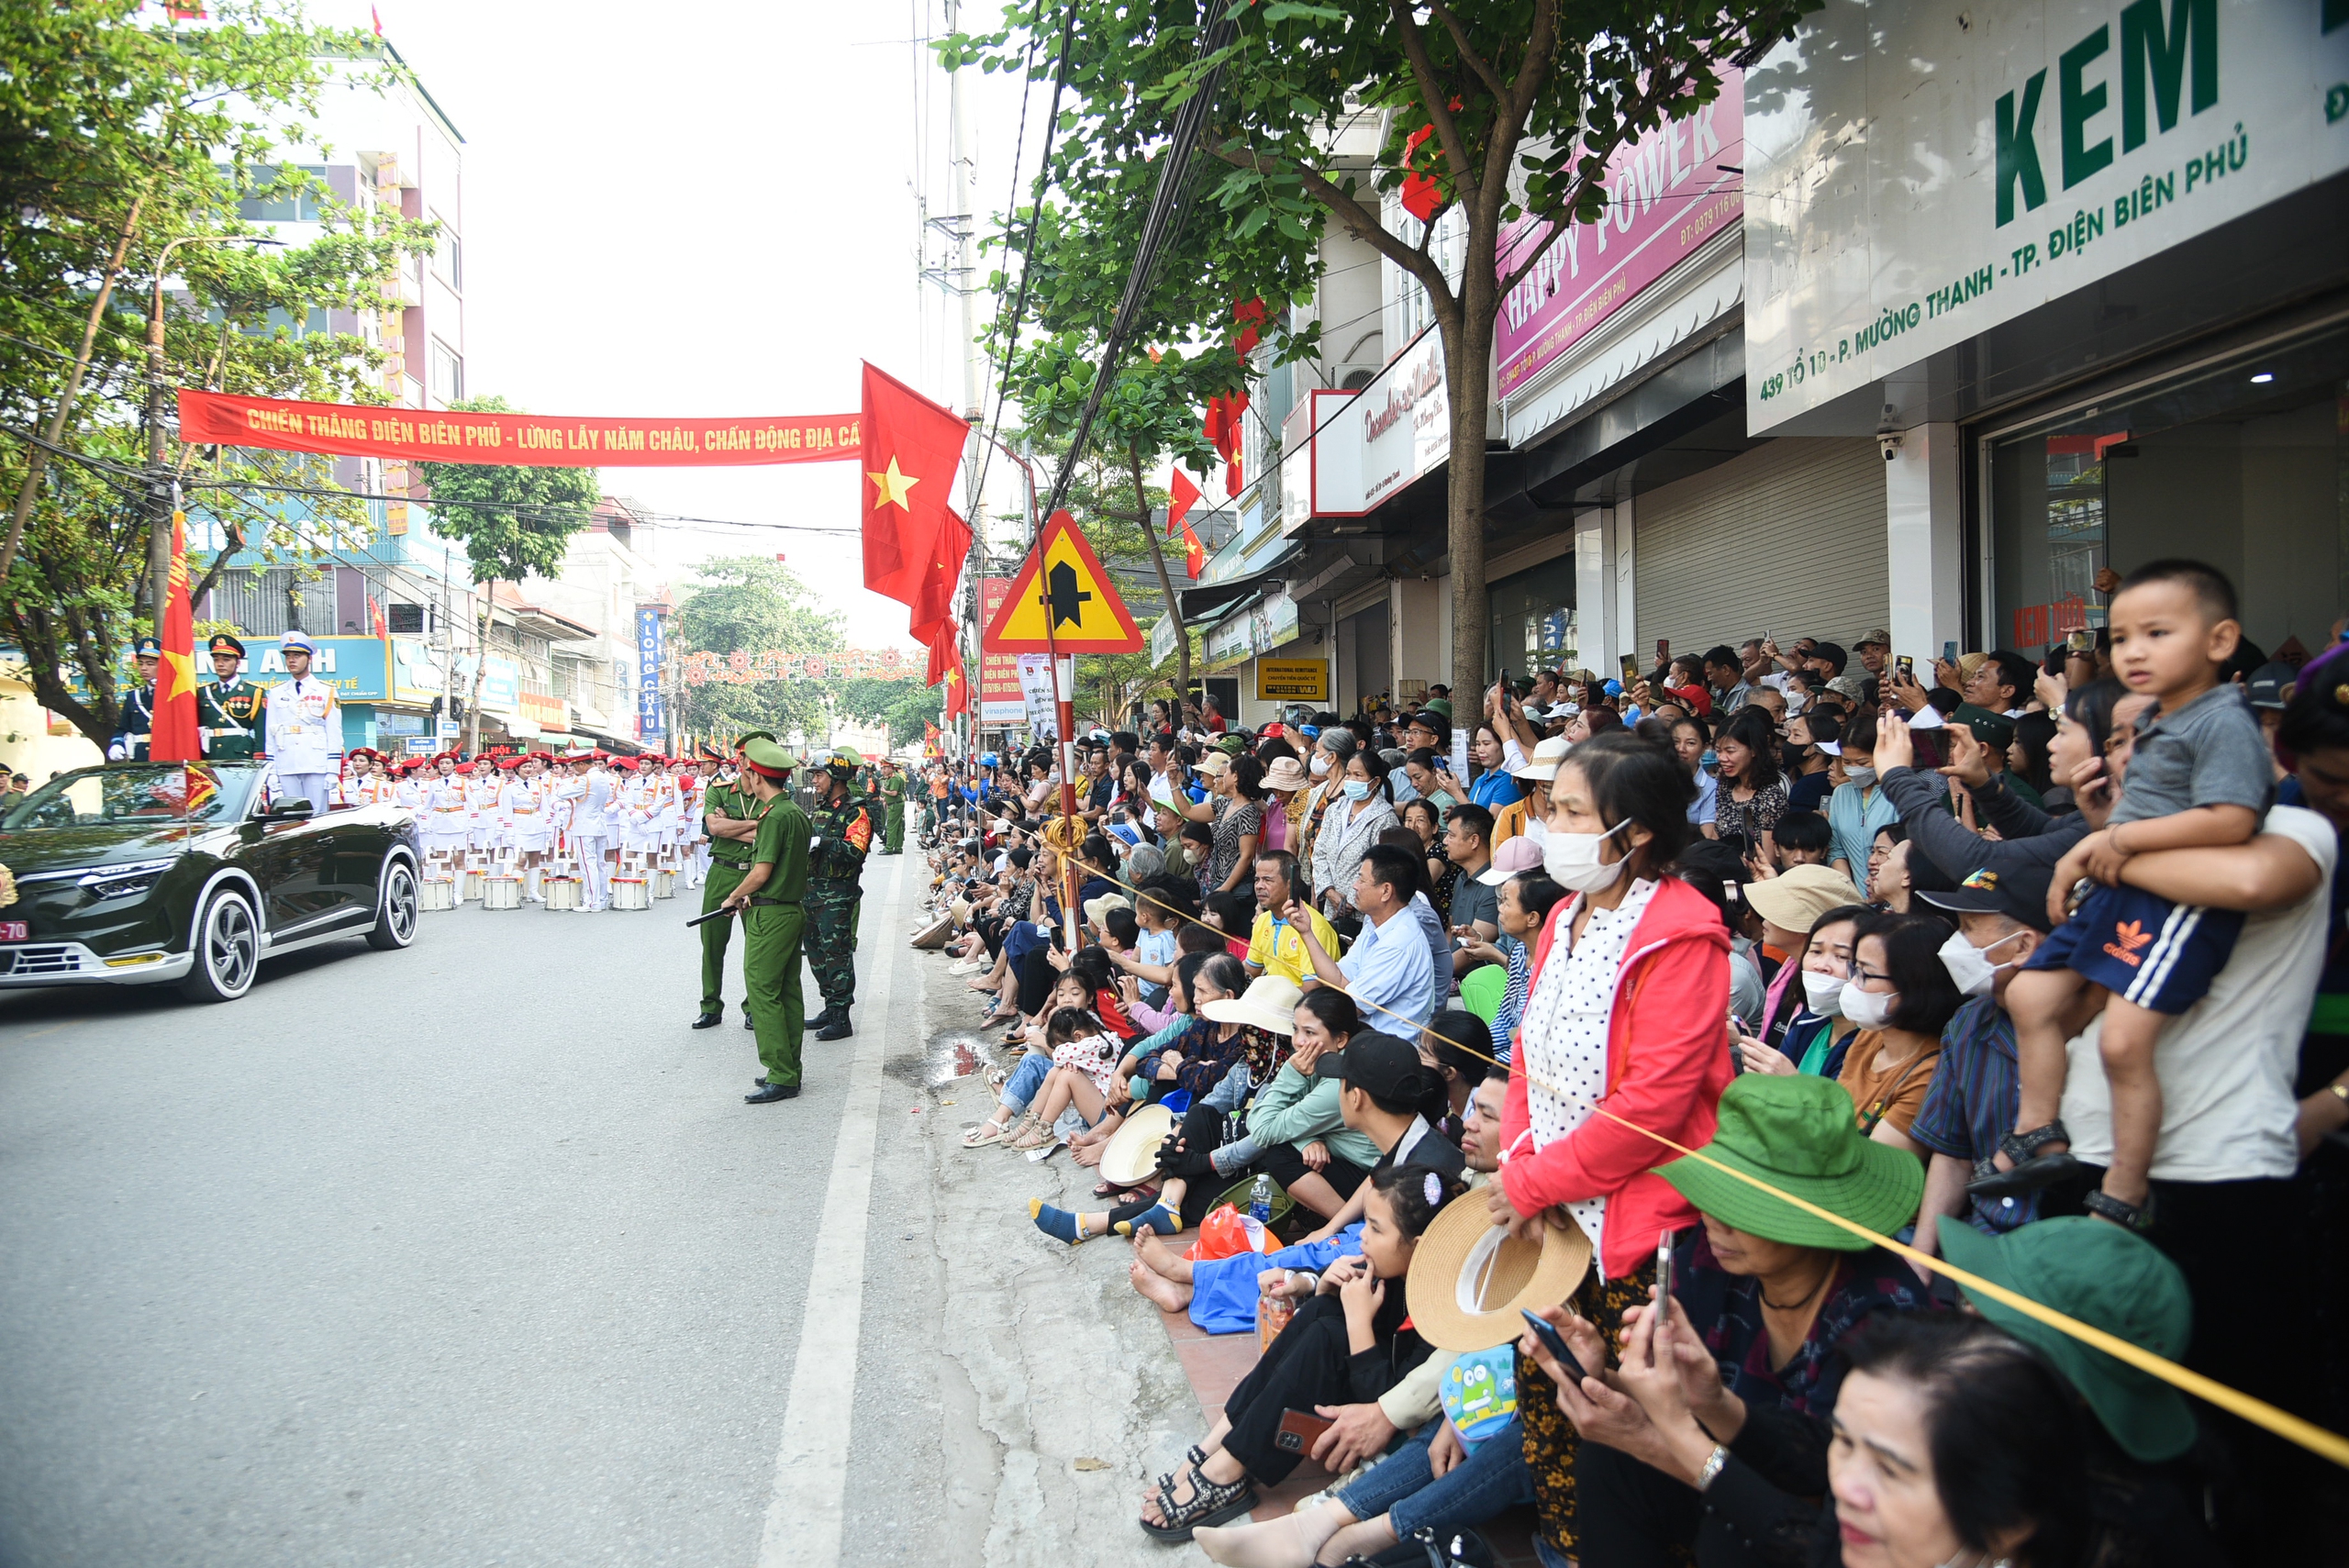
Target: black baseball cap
pixel 1380 1064
pixel 1987 893
pixel 2270 686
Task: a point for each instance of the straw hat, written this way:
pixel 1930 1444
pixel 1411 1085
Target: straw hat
pixel 1269 1003
pixel 1097 909
pixel 1130 1157
pixel 1285 774
pixel 1543 763
pixel 1470 1278
pixel 1795 898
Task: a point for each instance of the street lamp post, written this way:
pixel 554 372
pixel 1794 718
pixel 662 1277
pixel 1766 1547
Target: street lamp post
pixel 160 502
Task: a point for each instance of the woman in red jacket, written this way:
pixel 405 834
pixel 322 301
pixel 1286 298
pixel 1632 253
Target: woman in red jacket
pixel 1628 1011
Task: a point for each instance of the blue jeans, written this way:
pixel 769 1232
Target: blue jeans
pixel 1492 1478
pixel 1026 1079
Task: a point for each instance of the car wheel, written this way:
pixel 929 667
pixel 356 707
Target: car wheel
pixel 395 917
pixel 226 941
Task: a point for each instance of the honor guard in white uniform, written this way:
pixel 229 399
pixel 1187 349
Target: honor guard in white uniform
pixel 446 810
pixel 304 727
pixel 523 803
pixel 588 793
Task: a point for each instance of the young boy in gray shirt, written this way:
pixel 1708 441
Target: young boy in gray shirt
pixel 2200 776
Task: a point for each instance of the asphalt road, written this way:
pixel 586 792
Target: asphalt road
pixel 473 1254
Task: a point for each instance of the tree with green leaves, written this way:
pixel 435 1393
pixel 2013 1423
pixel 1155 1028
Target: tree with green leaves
pixel 128 142
pixel 1522 104
pixel 902 706
pixel 753 604
pixel 513 519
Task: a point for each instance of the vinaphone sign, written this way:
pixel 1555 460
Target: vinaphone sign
pixel 1918 174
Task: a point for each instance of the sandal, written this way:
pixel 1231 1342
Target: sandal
pixel 2137 1218
pixel 987 1132
pixel 1211 1504
pixel 1034 1134
pixel 2031 1169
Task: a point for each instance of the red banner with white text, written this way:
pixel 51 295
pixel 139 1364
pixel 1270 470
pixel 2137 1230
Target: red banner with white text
pixel 546 440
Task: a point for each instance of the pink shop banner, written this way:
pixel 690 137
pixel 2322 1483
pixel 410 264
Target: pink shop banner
pixel 1667 193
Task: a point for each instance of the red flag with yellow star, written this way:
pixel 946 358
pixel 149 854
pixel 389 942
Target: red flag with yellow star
pixel 911 448
pixel 177 737
pixel 933 598
pixel 957 690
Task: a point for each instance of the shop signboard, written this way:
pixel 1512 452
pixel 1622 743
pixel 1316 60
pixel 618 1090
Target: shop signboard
pixel 415 674
pixel 546 712
pixel 1897 208
pixel 1667 193
pixel 1261 627
pixel 1293 680
pixel 999 698
pixel 648 671
pixel 353 666
pixel 501 682
pixel 1391 433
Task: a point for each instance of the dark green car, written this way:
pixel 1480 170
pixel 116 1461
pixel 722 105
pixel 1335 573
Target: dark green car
pixel 138 873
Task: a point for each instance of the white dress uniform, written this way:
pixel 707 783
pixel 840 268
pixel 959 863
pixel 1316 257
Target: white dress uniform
pixel 447 814
pixel 304 731
pixel 591 831
pixel 523 808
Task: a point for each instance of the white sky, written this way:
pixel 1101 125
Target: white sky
pixel 708 210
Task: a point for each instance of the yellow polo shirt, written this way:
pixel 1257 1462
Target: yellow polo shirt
pixel 1278 950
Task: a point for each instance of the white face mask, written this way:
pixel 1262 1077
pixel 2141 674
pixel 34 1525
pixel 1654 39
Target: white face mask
pixel 1572 860
pixel 1863 777
pixel 1320 763
pixel 1823 994
pixel 1970 967
pixel 1869 1009
pixel 1357 789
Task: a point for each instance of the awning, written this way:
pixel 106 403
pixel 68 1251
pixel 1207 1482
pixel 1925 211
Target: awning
pixel 1209 598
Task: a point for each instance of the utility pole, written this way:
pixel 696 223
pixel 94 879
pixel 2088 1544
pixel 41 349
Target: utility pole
pixel 964 183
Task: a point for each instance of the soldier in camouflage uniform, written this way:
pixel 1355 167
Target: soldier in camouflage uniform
pixel 843 826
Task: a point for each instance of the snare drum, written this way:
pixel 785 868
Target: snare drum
pixel 475 880
pixel 664 883
pixel 562 892
pixel 631 893
pixel 436 893
pixel 502 892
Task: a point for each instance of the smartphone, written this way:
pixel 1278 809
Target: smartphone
pixel 1949 651
pixel 1547 1332
pixel 1664 1269
pixel 2081 641
pixel 1299 1431
pixel 1663 651
pixel 1631 668
pixel 1907 666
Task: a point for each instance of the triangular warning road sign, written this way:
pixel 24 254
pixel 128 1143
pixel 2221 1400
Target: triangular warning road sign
pixel 1062 582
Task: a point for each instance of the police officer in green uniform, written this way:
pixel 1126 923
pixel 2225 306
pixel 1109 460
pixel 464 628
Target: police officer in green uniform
pixel 893 799
pixel 135 725
pixel 843 829
pixel 769 900
pixel 730 810
pixel 233 710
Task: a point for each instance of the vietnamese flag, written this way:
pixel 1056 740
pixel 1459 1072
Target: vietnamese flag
pixel 911 448
pixel 1194 554
pixel 957 690
pixel 933 597
pixel 1181 495
pixel 177 737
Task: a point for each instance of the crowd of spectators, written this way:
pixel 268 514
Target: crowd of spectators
pixel 1726 974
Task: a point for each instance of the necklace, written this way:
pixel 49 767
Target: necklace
pixel 1806 1295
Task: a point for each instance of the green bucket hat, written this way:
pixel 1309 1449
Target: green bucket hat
pixel 1800 1134
pixel 2105 1277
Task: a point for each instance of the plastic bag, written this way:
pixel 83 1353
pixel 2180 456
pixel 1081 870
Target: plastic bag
pixel 1226 1233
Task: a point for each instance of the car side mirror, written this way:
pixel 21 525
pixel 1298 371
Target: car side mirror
pixel 292 810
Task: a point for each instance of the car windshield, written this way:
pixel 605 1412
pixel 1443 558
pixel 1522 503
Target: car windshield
pixel 144 792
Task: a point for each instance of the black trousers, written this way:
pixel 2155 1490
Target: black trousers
pixel 1286 1164
pixel 1307 1365
pixel 1628 1514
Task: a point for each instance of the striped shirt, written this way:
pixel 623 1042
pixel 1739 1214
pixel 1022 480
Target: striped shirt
pixel 1971 1103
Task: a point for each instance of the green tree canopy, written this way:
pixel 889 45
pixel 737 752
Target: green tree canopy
pixel 1524 101
pixel 752 604
pixel 125 138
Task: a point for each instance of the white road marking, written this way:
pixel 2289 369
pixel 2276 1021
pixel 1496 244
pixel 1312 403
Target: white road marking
pixel 806 1509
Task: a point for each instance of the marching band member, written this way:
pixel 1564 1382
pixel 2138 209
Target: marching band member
pixel 305 726
pixel 482 786
pixel 523 806
pixel 448 814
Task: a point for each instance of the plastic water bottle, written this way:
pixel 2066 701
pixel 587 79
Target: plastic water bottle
pixel 1260 1200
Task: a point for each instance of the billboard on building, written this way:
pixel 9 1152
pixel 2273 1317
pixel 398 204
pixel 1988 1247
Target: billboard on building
pixel 650 667
pixel 1000 701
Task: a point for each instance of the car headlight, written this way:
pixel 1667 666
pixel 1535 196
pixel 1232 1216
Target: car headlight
pixel 123 881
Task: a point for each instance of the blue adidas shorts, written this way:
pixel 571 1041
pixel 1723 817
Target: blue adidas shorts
pixel 2160 955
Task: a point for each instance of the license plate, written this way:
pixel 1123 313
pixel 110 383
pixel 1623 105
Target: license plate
pixel 14 931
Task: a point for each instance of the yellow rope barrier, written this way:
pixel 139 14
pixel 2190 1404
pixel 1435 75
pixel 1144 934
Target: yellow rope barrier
pixel 2283 1423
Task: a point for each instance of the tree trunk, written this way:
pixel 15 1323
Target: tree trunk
pixel 1468 348
pixel 481 668
pixel 1165 582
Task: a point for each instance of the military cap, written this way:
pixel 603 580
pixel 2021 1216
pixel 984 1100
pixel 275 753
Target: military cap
pixel 762 756
pixel 296 642
pixel 749 735
pixel 223 643
pixel 147 648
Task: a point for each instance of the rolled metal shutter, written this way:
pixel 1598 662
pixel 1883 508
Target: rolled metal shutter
pixel 1787 538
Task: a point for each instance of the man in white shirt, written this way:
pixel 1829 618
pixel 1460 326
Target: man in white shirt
pixel 304 727
pixel 1390 969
